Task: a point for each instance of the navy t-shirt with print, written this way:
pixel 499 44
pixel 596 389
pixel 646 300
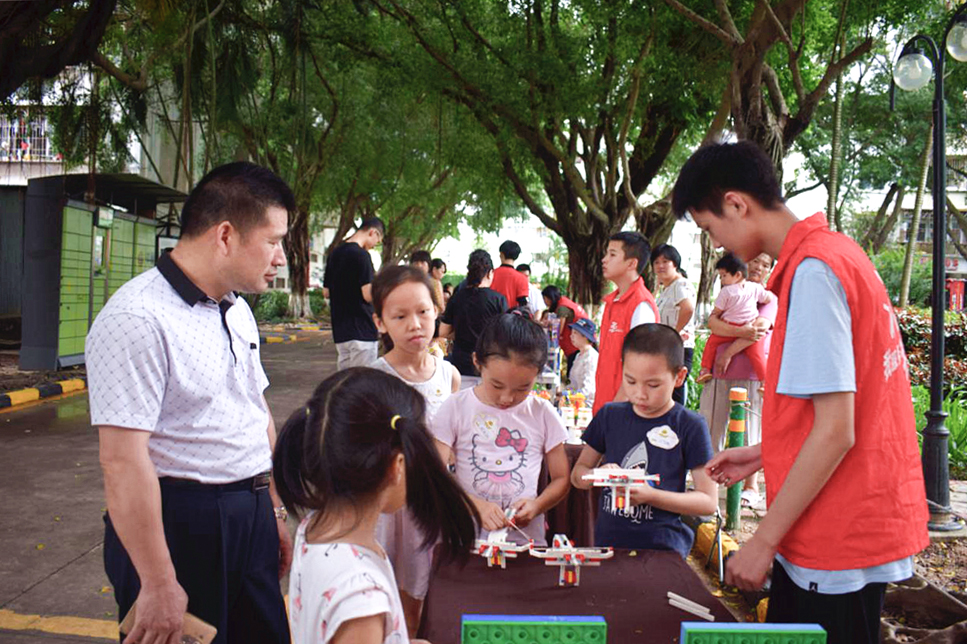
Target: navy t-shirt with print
pixel 670 446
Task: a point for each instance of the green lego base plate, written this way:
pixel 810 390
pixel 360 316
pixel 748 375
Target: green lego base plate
pixel 533 629
pixel 706 633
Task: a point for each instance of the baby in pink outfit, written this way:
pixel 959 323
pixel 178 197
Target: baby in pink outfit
pixel 738 304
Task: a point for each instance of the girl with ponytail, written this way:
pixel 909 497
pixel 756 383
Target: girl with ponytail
pixel 359 448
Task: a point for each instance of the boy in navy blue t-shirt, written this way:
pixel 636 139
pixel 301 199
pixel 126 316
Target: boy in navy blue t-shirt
pixel 654 433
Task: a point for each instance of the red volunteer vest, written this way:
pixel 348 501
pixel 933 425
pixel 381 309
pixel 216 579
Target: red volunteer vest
pixel 614 327
pixel 565 334
pixel 873 509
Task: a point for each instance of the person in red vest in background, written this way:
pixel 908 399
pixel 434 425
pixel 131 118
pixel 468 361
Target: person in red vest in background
pixel 846 497
pixel 630 305
pixel 569 312
pixel 510 283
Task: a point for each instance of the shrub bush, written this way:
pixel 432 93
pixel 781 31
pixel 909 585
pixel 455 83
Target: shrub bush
pixel 889 264
pixel 320 310
pixel 271 306
pixel 915 329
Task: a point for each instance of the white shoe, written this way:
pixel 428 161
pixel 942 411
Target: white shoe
pixel 750 498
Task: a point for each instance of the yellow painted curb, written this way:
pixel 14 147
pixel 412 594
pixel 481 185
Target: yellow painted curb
pixel 23 396
pixel 273 340
pixel 71 385
pixel 61 625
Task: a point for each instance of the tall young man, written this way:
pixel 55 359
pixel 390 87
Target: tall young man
pixel 845 487
pixel 631 304
pixel 185 433
pixel 348 285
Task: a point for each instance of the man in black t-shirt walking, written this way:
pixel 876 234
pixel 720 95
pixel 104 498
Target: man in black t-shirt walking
pixel 348 285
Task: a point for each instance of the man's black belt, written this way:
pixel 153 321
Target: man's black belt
pixel 252 484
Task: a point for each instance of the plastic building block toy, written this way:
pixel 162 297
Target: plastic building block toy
pixel 617 478
pixel 570 558
pixel 705 633
pixel 497 549
pixel 546 629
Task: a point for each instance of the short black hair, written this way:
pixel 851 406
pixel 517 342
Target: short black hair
pixel 731 264
pixel 239 193
pixel 438 263
pixel 510 249
pixel 718 168
pixel 513 337
pixel 372 222
pixel 635 246
pixel 421 256
pixel 656 340
pixel 524 268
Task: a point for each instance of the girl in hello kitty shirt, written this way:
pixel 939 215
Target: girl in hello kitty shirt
pixel 498 434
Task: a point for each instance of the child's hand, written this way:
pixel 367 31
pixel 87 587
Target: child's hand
pixel 641 495
pixel 527 510
pixel 609 466
pixel 491 515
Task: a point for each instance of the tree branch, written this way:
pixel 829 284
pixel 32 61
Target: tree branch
pixel 707 25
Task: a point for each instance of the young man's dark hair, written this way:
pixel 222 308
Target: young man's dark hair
pixel 421 256
pixel 635 246
pixel 716 169
pixel 238 193
pixel 524 268
pixel 731 264
pixel 656 340
pixel 510 250
pixel 372 222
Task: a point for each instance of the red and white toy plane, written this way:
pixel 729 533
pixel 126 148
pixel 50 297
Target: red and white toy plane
pixel 614 478
pixel 570 558
pixel 497 549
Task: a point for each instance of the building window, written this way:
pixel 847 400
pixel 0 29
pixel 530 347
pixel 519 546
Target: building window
pixel 314 258
pixel 279 282
pixel 23 138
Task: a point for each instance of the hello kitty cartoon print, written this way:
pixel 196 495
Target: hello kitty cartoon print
pixel 497 466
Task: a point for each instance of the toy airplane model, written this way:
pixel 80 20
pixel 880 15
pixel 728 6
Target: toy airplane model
pixel 615 478
pixel 497 549
pixel 570 558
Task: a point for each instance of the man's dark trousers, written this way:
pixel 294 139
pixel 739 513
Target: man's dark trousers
pixel 224 544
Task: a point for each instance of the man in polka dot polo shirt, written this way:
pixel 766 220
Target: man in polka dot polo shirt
pixel 185 433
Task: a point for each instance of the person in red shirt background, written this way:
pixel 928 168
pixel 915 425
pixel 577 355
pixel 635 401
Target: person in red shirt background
pixel 510 283
pixel 569 312
pixel 630 305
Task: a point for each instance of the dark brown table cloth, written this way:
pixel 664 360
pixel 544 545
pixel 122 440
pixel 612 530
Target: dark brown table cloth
pixel 628 591
pixel 575 515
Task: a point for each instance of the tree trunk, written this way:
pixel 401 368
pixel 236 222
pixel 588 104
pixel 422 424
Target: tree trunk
pixel 585 279
pixel 704 295
pixel 884 233
pixel 872 232
pixel 834 157
pixel 915 221
pixel 961 221
pixel 297 256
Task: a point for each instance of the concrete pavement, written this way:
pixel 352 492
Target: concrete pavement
pixel 52 582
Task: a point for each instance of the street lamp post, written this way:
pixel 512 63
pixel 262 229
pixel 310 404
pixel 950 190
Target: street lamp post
pixel 919 60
